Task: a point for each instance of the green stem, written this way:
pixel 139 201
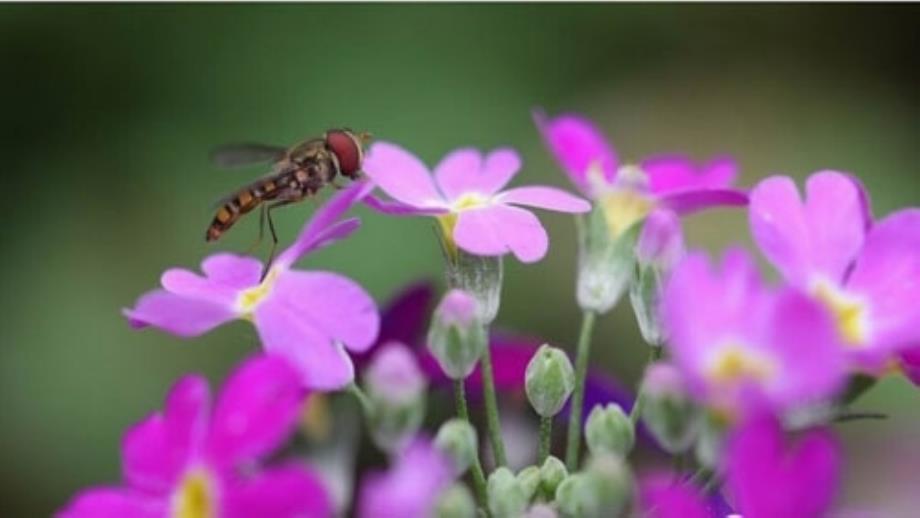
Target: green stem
pixel 491 404
pixel 362 398
pixel 581 371
pixel 546 435
pixel 636 412
pixel 479 478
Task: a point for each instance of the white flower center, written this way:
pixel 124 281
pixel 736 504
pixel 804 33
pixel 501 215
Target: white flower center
pixel 733 363
pixel 626 202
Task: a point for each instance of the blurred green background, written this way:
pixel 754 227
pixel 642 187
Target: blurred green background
pixel 109 111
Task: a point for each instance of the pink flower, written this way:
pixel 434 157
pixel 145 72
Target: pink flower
pixel 467 198
pixel 186 460
pixel 412 485
pixel 628 194
pixel 664 495
pixel 867 275
pixel 308 317
pixel 740 344
pixel 769 477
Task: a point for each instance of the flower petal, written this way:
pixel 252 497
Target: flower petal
pixel 231 270
pixel 578 145
pixel 689 202
pixel 820 236
pixel 190 285
pixel 411 487
pixel 322 364
pixel 664 495
pixel 499 229
pixel 457 172
pixel 178 315
pixel 324 227
pixel 256 411
pixel 280 492
pixel 111 502
pixel 338 307
pixel 910 364
pixel 499 168
pixel 769 479
pixel 156 450
pixel 676 173
pixel 401 175
pixel 395 208
pixel 887 274
pixel 548 198
pixel 404 319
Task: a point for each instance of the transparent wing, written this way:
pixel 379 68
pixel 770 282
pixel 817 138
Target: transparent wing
pixel 247 153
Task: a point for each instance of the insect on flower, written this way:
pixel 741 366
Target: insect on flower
pixel 297 173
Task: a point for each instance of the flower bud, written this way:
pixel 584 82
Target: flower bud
pixel 609 430
pixel 396 387
pixel 481 277
pixel 529 480
pixel 506 496
pixel 541 511
pixel 602 490
pixel 661 241
pixel 668 413
pixel 552 473
pixel 549 380
pixel 606 262
pixel 457 337
pixel 456 502
pixel 458 440
pixel 659 248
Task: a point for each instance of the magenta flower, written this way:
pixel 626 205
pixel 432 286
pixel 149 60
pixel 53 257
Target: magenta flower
pixel 739 343
pixel 308 317
pixel 186 461
pixel 768 477
pixel 628 194
pixel 663 495
pixel 867 275
pixel 412 485
pixel 467 198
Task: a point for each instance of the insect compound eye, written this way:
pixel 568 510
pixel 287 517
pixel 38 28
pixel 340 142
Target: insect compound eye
pixel 346 148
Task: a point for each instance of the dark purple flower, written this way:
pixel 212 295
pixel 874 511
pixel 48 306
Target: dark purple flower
pixel 186 460
pixel 310 318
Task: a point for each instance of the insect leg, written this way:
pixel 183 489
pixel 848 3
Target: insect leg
pixel 262 211
pixel 271 228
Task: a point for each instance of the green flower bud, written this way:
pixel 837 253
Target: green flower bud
pixel 456 502
pixel 602 490
pixel 457 337
pixel 659 247
pixel 549 380
pixel 529 480
pixel 552 473
pixel 457 439
pixel 396 388
pixel 506 496
pixel 481 277
pixel 609 430
pixel 668 413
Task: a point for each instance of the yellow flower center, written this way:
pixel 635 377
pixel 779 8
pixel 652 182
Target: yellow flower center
pixel 248 300
pixel 448 221
pixel 734 363
pixel 849 313
pixel 316 417
pixel 625 203
pixel 195 497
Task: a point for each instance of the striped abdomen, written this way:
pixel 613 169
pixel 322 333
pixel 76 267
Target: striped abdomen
pixel 240 203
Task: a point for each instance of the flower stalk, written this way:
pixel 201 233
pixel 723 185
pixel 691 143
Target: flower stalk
pixel 479 479
pixel 581 372
pixel 546 435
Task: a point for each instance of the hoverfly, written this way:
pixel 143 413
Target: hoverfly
pixel 297 173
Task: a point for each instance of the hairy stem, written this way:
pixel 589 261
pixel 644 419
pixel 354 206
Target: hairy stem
pixel 491 404
pixel 479 479
pixel 581 372
pixel 546 435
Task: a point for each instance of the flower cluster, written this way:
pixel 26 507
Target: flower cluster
pixel 744 382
